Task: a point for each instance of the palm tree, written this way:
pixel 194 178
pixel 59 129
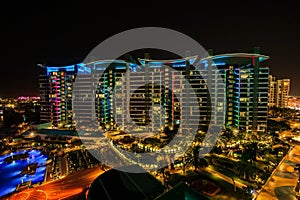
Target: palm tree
pixel 192 159
pixel 250 152
pixel 245 169
pixel 228 134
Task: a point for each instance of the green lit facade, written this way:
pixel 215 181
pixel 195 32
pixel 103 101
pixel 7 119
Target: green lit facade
pixel 246 89
pixel 148 97
pixel 138 98
pixel 56 85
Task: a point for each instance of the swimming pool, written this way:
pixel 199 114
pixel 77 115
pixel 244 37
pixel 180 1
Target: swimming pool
pixel 10 175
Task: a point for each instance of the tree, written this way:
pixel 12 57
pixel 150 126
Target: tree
pixel 245 169
pixel 250 152
pixel 192 159
pixel 228 134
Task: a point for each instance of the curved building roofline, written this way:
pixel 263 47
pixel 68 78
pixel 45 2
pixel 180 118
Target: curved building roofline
pixel 190 58
pixel 60 66
pixel 107 61
pixel 235 58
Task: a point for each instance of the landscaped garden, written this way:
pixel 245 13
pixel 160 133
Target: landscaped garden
pixel 208 184
pixel 251 164
pixel 246 158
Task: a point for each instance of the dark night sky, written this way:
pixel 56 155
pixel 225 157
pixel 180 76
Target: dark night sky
pixel 64 33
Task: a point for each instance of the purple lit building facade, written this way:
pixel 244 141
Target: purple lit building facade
pixel 56 85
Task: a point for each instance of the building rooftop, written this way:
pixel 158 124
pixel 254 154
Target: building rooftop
pixel 181 191
pixel 114 184
pixel 172 61
pixel 235 58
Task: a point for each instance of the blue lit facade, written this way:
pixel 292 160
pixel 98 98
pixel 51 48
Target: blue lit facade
pixel 157 105
pixel 56 84
pixel 243 96
pixel 153 107
pixel 90 86
pixel 246 89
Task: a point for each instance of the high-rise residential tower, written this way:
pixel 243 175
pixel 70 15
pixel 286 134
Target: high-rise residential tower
pixel 137 98
pixel 95 95
pixel 279 90
pixel 246 88
pixel 56 85
pixel 228 90
pixel 272 91
pixel 282 92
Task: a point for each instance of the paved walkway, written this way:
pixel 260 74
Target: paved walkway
pixel 66 188
pixel 284 179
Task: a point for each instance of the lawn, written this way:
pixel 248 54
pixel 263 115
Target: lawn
pixel 227 189
pixel 210 185
pixel 226 166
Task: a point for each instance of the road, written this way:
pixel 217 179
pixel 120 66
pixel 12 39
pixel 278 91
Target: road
pixel 283 180
pixel 65 188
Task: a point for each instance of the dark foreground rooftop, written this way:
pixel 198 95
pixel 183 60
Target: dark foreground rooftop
pixel 115 184
pixel 181 191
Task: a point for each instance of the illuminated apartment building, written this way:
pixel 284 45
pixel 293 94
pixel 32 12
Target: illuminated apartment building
pixel 153 96
pixel 279 91
pixel 166 100
pixel 282 92
pixel 56 85
pixel 1 112
pixel 272 91
pixel 95 96
pixel 136 98
pixel 246 89
pixel 44 95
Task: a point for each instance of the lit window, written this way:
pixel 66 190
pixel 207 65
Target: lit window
pixel 244 76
